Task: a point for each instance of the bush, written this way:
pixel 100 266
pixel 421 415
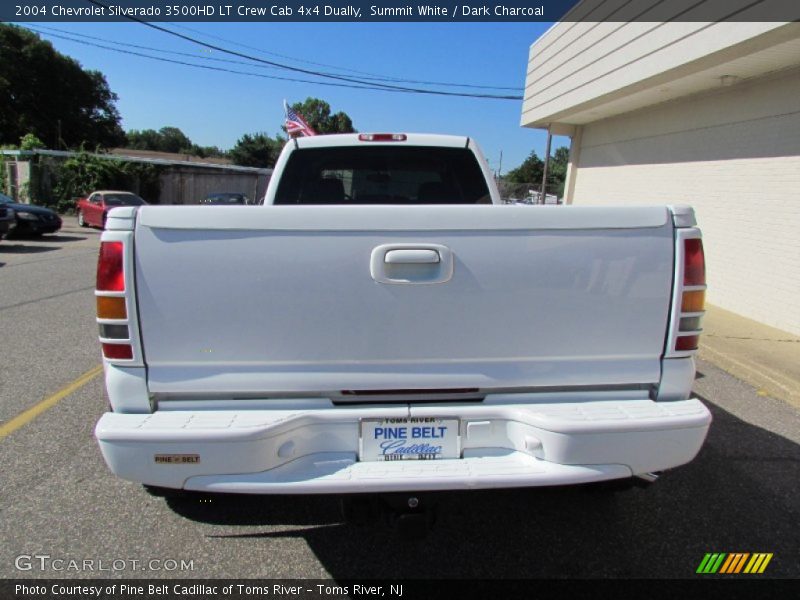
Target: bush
pixel 83 173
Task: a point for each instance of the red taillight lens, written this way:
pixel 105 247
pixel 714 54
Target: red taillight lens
pixel 110 274
pixel 694 264
pixel 118 351
pixel 382 137
pixel 687 342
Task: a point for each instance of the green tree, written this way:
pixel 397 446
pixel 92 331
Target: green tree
pixel 30 142
pixel 557 171
pixel 256 150
pixel 317 113
pixel 166 139
pixel 206 151
pixel 174 140
pixel 530 171
pixel 49 95
pixel 146 139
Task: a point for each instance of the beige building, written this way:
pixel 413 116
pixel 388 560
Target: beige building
pixel 699 113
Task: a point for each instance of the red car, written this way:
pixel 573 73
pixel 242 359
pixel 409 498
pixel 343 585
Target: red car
pixel 93 209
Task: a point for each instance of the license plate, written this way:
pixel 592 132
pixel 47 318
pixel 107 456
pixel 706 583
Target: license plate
pixel 413 438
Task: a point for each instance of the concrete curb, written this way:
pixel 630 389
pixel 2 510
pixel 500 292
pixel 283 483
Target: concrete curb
pixel 765 357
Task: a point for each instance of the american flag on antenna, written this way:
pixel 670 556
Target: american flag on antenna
pixel 295 124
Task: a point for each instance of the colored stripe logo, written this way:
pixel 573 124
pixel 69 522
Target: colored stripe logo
pixel 734 563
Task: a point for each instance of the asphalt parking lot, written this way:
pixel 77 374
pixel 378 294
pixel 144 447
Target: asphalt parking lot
pixel 58 499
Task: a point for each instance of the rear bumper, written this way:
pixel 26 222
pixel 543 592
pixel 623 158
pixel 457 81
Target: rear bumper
pixel 316 450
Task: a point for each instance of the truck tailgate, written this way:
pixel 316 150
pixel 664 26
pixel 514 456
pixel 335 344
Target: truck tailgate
pixel 270 301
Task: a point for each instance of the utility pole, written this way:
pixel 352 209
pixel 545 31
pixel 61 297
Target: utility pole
pixel 544 171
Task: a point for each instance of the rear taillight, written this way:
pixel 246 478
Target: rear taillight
pixel 685 343
pixel 692 295
pixel 110 273
pixel 114 332
pixel 693 301
pixel 382 137
pixel 118 351
pixel 112 312
pixel 111 308
pixel 694 264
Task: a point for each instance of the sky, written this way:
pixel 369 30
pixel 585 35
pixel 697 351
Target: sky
pixel 216 108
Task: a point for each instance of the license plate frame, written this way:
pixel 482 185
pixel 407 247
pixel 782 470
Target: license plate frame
pixel 409 438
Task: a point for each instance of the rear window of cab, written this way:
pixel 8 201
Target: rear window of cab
pixel 382 175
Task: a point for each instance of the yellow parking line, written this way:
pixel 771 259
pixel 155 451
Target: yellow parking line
pixel 34 411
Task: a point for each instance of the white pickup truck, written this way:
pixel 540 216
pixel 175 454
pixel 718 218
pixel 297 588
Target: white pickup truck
pixel 384 324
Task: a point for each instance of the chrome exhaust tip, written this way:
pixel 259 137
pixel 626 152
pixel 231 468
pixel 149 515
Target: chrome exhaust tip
pixel 646 479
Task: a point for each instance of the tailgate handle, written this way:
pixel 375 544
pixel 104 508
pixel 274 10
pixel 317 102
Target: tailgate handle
pixel 412 256
pixel 411 263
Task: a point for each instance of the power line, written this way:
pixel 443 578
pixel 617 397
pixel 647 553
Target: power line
pixel 366 75
pixel 68 35
pixel 207 67
pixel 383 86
pixel 38 27
pixel 268 53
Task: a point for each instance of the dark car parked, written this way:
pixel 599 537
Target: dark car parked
pixel 31 219
pixel 226 198
pixel 7 219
